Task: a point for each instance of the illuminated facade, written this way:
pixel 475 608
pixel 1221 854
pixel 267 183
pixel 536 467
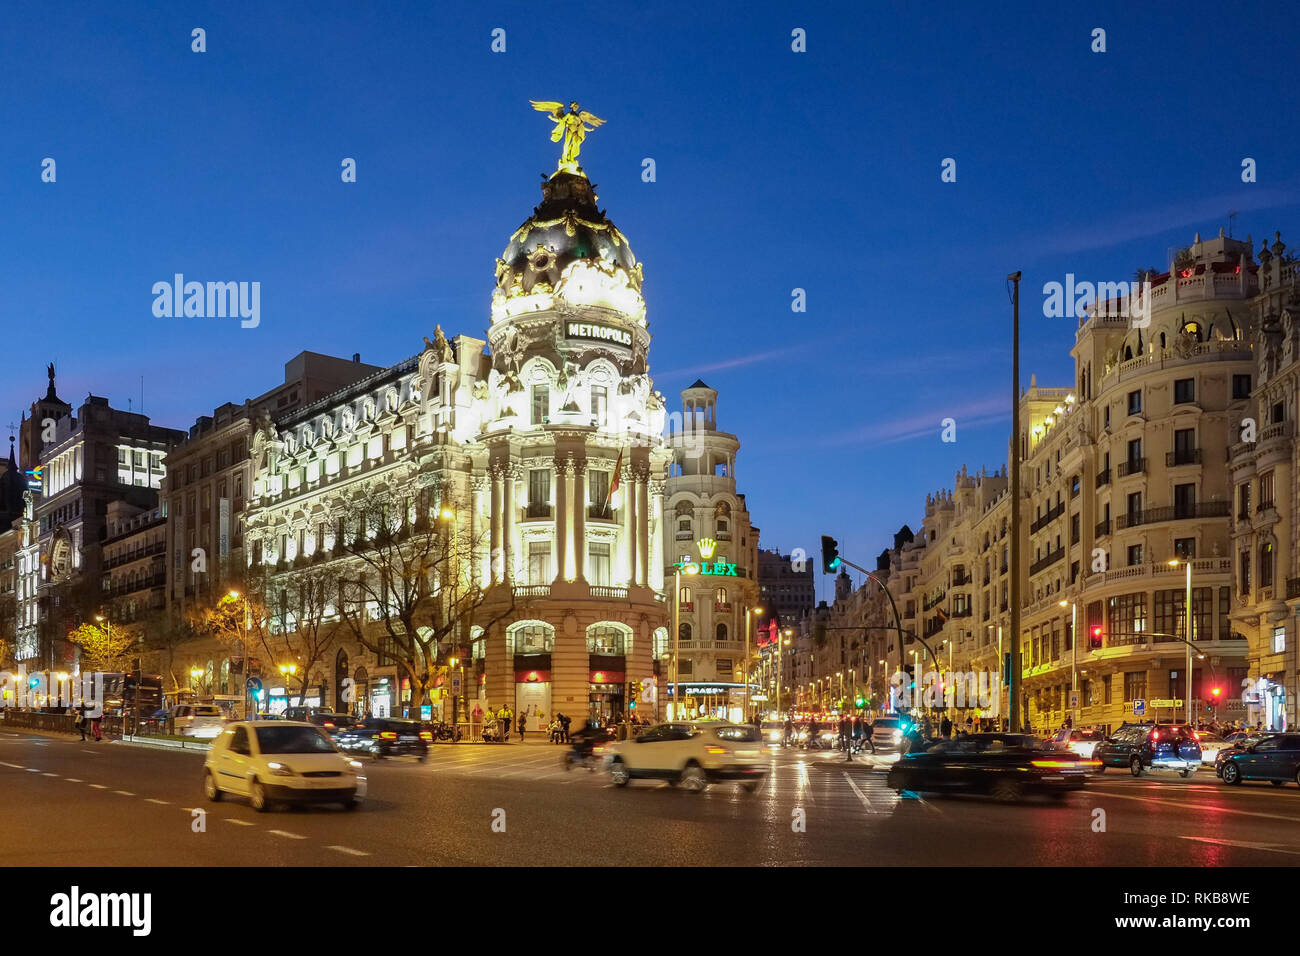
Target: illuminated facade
pixel 547 449
pixel 709 531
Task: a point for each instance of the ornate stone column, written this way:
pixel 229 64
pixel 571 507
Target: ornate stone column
pixel 580 520
pixel 657 561
pixel 495 559
pixel 512 474
pixel 643 525
pixel 561 516
pixel 629 524
pixel 478 486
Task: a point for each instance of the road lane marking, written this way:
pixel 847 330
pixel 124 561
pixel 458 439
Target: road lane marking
pixel 125 793
pixel 165 803
pixel 866 801
pixel 74 780
pixel 1202 806
pixel 32 770
pixel 98 786
pixel 1269 847
pixel 48 774
pixel 239 823
pixel 287 835
pixel 348 850
pixel 16 766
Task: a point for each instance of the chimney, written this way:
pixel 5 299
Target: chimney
pixel 356 357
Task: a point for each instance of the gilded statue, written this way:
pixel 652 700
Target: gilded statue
pixel 572 127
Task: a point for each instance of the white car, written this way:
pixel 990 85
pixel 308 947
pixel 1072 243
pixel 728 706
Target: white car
pixel 692 754
pixel 1080 741
pixel 197 720
pixel 281 761
pixel 1211 744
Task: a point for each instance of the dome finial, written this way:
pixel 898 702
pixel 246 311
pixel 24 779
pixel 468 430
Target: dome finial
pixel 572 126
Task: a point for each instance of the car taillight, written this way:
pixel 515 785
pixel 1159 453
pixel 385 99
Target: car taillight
pixel 1155 735
pixel 715 750
pixel 426 735
pixel 1058 763
pixel 329 726
pixel 387 735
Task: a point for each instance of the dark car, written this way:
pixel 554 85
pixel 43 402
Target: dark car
pixel 1004 765
pixel 382 737
pixel 1275 759
pixel 1150 747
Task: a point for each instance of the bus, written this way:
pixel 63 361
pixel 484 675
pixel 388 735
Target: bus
pixel 121 695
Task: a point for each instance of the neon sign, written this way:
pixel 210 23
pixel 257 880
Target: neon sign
pixel 719 568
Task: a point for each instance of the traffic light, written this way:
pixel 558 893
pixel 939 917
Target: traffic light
pixel 1216 693
pixel 1094 638
pixel 830 555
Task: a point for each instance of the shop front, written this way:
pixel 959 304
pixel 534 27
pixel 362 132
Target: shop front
pixel 718 700
pixel 533 697
pixel 605 694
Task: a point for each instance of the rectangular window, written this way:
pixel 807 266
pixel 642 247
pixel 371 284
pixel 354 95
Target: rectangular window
pixel 539 562
pixel 600 404
pixel 1266 491
pixel 1135 402
pixel 1185 501
pixel 541 411
pixel 599 483
pixel 1134 554
pixel 1074 486
pixel 1279 413
pixel 1225 608
pixel 1241 386
pixel 1135 508
pixel 1135 685
pixel 539 493
pixel 1279 638
pixel 1185 548
pixel 1105 687
pixel 1243 500
pixel 1074 529
pixel 1134 454
pixel 598 564
pixel 1184 391
pixel 1245 573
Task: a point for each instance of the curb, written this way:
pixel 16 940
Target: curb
pixel 163 744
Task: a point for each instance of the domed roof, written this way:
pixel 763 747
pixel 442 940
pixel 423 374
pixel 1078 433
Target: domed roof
pixel 566 227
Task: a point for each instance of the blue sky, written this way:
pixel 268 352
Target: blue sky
pixel 776 170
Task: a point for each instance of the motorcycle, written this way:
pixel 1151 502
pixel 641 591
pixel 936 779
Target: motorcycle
pixel 577 756
pixel 445 731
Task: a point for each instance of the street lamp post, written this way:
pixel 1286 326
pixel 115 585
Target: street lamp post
pixel 1074 662
pixel 751 620
pixel 1187 631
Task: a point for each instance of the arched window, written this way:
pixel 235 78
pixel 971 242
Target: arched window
pixel 685 519
pixel 722 632
pixel 684 632
pixel 684 596
pixel 722 519
pixel 609 638
pixel 659 642
pixel 1193 328
pixel 720 599
pixel 530 637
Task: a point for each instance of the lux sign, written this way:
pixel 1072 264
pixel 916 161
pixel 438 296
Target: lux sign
pixel 719 568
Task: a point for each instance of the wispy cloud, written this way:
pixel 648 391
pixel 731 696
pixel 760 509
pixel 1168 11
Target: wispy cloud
pixel 695 371
pixel 927 424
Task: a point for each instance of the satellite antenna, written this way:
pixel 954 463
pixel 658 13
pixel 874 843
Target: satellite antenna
pixel 1231 216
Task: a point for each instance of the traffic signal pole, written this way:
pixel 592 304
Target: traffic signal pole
pixel 1015 718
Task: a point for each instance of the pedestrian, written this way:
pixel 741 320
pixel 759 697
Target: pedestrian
pixel 945 727
pixel 857 732
pixel 868 726
pixel 80 722
pixel 94 727
pixel 788 732
pixel 523 724
pixel 565 720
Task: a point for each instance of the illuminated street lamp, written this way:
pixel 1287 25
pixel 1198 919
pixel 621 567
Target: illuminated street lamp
pixel 677 632
pixel 751 620
pixel 1074 658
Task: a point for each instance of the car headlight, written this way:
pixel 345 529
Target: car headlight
pixel 354 764
pixel 898 736
pixel 279 770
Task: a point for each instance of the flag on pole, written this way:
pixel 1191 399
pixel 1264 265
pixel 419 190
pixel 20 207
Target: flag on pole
pixel 618 475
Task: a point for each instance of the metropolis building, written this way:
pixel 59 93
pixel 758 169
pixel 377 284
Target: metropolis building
pixel 543 443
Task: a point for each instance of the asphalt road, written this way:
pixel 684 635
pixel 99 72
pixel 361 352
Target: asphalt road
pixel 67 803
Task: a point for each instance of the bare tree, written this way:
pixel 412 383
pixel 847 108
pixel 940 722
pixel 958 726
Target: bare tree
pixel 305 622
pixel 407 591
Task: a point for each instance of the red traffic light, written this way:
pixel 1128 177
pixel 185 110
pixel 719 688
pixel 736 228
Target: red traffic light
pixel 1217 691
pixel 1096 630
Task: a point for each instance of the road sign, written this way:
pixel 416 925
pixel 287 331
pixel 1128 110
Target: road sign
pixel 1139 707
pixel 1165 702
pixel 455 685
pixel 1074 699
pixel 253 683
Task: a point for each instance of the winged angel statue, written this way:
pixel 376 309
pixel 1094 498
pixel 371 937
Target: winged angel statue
pixel 572 126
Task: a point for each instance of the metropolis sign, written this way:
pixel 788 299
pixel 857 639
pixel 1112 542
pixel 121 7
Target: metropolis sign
pixel 598 333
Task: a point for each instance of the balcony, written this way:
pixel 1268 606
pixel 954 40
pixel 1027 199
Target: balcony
pixel 687 606
pixel 1047 560
pixel 960 578
pixel 1292 588
pixel 533 591
pixel 933 601
pixel 961 612
pixel 605 591
pixel 1266 505
pixel 537 511
pixel 1102 529
pixel 1103 477
pixel 1205 509
pixel 1051 515
pixel 1134 466
pixel 722 605
pixel 1183 456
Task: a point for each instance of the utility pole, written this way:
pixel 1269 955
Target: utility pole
pixel 1014 681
